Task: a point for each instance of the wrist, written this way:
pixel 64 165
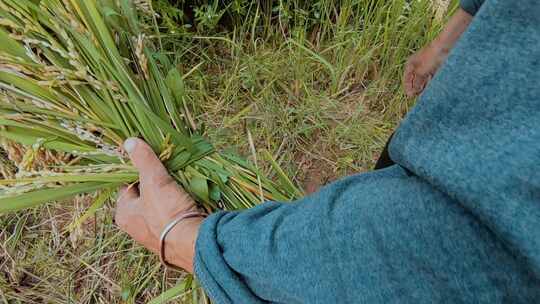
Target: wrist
pixel 180 243
pixel 440 47
pixel 453 30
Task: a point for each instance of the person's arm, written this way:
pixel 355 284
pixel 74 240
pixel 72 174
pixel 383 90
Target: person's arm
pixel 423 65
pixel 381 237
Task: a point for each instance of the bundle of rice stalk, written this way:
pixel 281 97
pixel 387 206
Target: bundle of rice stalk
pixel 78 77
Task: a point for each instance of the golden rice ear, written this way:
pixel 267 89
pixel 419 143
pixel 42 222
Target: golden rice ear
pixel 7 167
pixel 15 157
pixel 441 8
pixel 11 150
pixel 144 6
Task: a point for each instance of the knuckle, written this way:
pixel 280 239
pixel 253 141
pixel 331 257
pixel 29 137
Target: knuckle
pixel 162 180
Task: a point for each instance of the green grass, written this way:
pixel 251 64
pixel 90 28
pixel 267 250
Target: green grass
pixel 331 102
pixel 321 97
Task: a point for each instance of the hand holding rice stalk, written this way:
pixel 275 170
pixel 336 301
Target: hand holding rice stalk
pixel 78 77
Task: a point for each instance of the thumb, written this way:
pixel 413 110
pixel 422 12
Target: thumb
pixel 144 159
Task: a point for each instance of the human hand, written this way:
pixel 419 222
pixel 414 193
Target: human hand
pixel 421 67
pixel 145 210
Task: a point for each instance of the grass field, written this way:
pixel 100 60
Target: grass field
pixel 316 85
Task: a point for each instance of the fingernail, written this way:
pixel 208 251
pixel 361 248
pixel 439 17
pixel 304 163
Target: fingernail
pixel 129 144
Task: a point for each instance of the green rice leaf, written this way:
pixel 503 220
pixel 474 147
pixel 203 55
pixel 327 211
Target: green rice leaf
pixel 170 294
pixel 35 198
pixel 175 84
pixel 9 46
pixel 283 178
pixel 199 187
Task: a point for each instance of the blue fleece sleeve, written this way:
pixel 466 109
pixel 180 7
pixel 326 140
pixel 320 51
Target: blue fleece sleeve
pixel 471 6
pixel 381 237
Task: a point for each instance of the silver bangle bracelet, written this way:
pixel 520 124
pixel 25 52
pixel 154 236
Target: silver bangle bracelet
pixel 169 227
